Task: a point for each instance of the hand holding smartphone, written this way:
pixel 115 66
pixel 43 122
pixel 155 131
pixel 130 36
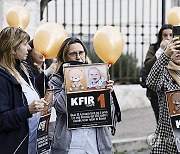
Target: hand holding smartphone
pixel 176 33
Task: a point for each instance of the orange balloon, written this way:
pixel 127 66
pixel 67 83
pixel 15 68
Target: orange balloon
pixel 173 16
pixel 108 44
pixel 48 39
pixel 18 16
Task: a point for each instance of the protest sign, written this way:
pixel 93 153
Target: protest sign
pixel 88 100
pixel 43 145
pixel 173 99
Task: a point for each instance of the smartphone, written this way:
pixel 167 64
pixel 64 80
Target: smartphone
pixel 176 33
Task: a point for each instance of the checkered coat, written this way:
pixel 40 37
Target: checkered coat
pixel 160 81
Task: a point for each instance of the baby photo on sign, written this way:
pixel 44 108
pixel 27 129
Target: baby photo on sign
pixel 95 78
pixel 175 103
pixel 173 99
pixel 85 77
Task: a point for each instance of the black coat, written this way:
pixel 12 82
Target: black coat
pixel 149 61
pixel 41 83
pixel 14 112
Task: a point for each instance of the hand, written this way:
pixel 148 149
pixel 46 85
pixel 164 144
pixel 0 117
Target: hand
pixel 36 106
pixel 109 85
pixel 52 68
pixel 44 101
pixel 164 44
pixel 172 47
pixel 46 107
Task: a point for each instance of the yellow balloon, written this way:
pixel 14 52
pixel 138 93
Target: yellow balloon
pixel 108 44
pixel 18 16
pixel 173 16
pixel 48 39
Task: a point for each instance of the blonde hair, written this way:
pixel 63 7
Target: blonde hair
pixel 10 40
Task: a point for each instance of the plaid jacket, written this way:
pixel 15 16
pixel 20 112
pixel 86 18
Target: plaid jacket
pixel 160 81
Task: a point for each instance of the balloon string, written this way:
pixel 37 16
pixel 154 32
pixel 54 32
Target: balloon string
pixel 44 83
pixel 109 65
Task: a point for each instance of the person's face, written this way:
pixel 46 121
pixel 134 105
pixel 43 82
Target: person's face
pixel 75 52
pixel 94 75
pixel 22 51
pixel 177 105
pixel 176 57
pixel 37 57
pixel 167 34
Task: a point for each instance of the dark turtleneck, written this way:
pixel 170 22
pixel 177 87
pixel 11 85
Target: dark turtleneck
pixel 21 72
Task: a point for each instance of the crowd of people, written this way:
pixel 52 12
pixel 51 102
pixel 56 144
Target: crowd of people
pixel 25 75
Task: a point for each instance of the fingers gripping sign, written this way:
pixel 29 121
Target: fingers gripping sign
pixel 36 106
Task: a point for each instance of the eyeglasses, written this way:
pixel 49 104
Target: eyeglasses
pixel 75 54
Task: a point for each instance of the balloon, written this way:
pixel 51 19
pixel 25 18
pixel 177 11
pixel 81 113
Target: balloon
pixel 173 16
pixel 48 39
pixel 18 16
pixel 108 44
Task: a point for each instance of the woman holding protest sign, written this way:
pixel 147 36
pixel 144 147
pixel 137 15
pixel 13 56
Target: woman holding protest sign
pixel 94 140
pixel 164 77
pixel 20 105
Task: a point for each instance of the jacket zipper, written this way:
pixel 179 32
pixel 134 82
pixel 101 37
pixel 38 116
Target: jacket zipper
pixel 20 143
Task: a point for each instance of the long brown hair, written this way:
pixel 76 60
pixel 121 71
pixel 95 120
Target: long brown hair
pixel 61 56
pixel 10 40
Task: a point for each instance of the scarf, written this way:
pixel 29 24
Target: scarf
pixel 117 116
pixel 174 71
